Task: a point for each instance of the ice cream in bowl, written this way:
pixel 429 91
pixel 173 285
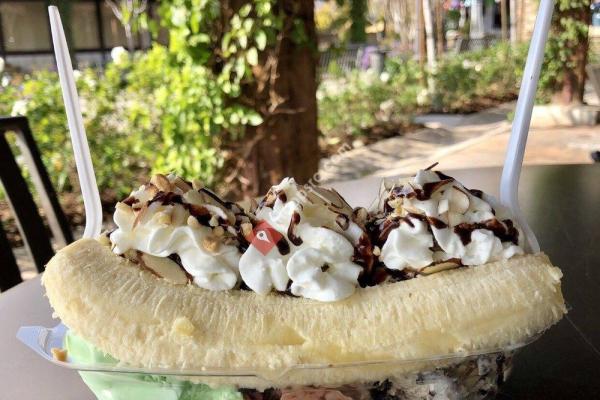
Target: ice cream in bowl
pixel 427 294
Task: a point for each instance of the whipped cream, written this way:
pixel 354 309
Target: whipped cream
pixel 162 219
pixel 322 269
pixel 319 233
pixel 433 219
pixel 307 240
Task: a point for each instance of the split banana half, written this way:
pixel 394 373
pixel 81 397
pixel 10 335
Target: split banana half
pixel 149 322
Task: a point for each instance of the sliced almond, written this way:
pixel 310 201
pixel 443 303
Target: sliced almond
pixel 140 215
pixel 179 215
pixel 161 182
pixel 459 200
pixel 193 222
pixel 412 209
pixel 181 184
pixel 165 268
pixel 396 203
pixel 218 231
pixel 443 266
pixel 193 197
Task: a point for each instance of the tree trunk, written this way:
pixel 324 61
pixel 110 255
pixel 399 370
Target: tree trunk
pixel 439 27
pixel 129 37
pixel 421 45
pixel 477 30
pixel 512 6
pixel 571 84
pixel 286 144
pixel 503 20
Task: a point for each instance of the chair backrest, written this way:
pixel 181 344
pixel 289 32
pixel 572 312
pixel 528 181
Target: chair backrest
pixel 30 223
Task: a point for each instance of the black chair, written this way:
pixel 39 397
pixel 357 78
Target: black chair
pixel 31 226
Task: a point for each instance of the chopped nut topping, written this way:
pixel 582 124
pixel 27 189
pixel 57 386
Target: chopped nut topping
pixel 211 244
pixel 193 222
pixel 246 229
pixel 59 354
pixel 219 231
pixel 214 221
pixel 162 218
pixel 376 251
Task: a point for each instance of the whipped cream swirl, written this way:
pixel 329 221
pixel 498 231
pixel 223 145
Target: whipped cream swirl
pixel 433 219
pixel 169 217
pixel 316 248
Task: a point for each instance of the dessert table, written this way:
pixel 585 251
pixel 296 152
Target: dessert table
pixel 562 205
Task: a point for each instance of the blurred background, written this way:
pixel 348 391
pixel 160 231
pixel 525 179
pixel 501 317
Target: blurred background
pixel 240 93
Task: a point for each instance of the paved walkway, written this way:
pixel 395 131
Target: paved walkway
pixel 477 140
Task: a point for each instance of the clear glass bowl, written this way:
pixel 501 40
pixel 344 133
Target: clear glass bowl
pixel 468 375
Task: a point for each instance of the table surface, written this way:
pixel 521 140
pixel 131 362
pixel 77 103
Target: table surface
pixel 561 203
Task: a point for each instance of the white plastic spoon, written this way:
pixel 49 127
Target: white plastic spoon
pixel 83 160
pixel 509 183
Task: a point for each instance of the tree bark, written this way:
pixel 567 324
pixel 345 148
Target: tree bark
pixel 439 28
pixel 286 144
pixel 572 82
pixel 512 7
pixel 503 20
pixel 421 45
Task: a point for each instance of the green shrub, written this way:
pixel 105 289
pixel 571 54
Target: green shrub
pixel 360 100
pixel 471 80
pixel 120 149
pixel 352 103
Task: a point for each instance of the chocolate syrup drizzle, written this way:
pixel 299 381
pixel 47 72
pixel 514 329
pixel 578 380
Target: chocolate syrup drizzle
pixel 291 232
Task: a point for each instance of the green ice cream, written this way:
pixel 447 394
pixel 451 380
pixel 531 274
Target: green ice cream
pixel 123 386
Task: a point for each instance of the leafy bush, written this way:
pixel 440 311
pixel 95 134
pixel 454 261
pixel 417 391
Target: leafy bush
pixel 472 80
pixel 564 56
pixel 120 149
pixel 353 103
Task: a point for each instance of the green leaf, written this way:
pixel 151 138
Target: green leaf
pixel 245 10
pixel 243 41
pixel 255 120
pixel 261 40
pixel 252 56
